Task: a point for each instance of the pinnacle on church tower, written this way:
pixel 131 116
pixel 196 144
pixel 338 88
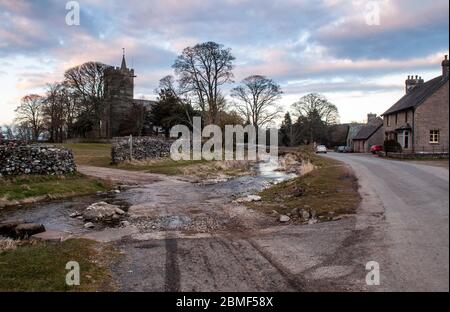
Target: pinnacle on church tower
pixel 124 63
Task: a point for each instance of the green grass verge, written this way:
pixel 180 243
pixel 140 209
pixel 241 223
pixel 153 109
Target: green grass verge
pixel 93 154
pixel 99 154
pixel 161 166
pixel 330 188
pixel 42 267
pixel 22 187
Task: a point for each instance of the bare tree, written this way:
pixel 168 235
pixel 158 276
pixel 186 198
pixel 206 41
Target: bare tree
pixel 9 132
pixel 30 114
pixel 167 86
pixel 167 83
pixel 314 114
pixel 54 110
pixel 202 70
pixel 86 83
pixel 315 104
pixel 257 96
pixel 72 108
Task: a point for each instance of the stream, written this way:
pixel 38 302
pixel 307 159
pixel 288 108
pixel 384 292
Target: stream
pixel 169 198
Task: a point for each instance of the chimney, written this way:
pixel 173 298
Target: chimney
pixel 371 118
pixel 445 67
pixel 412 81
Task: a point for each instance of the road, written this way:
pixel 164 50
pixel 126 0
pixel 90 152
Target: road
pixel 412 239
pixel 402 224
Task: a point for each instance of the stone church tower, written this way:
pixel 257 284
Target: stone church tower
pixel 118 93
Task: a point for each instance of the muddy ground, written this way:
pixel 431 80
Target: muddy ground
pixel 185 236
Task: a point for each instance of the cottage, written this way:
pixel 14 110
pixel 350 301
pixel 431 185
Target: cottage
pixel 419 120
pixel 353 130
pixel 369 134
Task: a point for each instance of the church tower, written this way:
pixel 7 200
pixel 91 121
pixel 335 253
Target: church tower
pixel 118 93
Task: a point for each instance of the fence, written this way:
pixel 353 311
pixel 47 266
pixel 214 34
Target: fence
pixel 429 151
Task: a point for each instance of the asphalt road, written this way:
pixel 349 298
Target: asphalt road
pixel 411 239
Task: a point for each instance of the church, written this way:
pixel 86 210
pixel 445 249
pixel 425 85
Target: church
pixel 120 105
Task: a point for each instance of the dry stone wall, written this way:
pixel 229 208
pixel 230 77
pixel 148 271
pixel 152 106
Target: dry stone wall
pixel 141 148
pixel 16 159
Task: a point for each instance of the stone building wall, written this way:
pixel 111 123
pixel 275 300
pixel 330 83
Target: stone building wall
pixel 363 146
pixel 119 88
pixel 16 159
pixel 376 139
pixel 433 115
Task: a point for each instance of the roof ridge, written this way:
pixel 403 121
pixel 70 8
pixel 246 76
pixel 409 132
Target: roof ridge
pixel 417 95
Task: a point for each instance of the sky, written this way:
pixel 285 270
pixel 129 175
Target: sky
pixel 357 53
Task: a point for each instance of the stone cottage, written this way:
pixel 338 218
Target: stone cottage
pixel 353 130
pixel 419 120
pixel 369 134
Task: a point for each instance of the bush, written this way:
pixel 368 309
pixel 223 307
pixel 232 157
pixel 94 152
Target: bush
pixel 392 146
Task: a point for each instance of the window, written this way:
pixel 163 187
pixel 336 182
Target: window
pixel 400 139
pixel 406 139
pixel 406 117
pixel 434 136
pixel 396 118
pixel 388 117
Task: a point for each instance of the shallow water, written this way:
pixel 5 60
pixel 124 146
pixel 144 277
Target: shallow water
pixel 265 174
pixel 55 215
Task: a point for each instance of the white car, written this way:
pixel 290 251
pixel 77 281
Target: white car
pixel 321 149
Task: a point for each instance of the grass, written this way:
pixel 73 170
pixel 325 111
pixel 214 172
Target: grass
pixel 161 166
pixel 197 168
pixel 93 154
pixel 330 189
pixel 41 267
pixel 99 154
pixel 33 186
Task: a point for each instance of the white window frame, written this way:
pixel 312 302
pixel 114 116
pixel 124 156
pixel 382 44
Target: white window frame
pixel 434 136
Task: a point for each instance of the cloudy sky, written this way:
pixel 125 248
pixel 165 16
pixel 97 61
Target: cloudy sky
pixel 357 53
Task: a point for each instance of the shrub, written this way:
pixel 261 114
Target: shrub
pixel 392 146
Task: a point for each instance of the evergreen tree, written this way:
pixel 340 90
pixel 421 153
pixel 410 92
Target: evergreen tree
pixel 286 131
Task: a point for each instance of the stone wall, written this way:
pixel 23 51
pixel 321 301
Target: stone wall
pixel 411 155
pixel 142 148
pixel 17 159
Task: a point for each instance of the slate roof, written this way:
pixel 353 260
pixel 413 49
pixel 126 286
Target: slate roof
pixel 417 95
pixel 368 130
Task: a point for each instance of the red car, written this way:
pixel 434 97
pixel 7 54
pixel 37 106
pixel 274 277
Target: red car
pixel 376 148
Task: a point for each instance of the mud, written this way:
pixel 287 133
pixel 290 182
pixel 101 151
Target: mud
pixel 186 236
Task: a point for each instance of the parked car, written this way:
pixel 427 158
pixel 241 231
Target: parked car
pixel 341 149
pixel 348 149
pixel 321 149
pixel 376 148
